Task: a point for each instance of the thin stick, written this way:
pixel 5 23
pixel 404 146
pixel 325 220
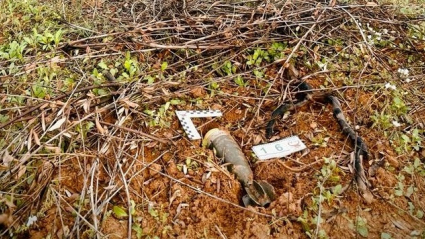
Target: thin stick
pixel 137 132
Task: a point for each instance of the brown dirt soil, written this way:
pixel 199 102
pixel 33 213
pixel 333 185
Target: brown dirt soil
pixel 203 202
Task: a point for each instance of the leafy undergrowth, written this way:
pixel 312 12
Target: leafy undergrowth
pixel 91 147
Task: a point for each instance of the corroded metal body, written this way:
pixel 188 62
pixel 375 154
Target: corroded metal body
pixel 258 192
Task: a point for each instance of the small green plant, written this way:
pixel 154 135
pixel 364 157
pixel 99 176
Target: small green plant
pixel 162 116
pixel 361 226
pixel 411 168
pixel 158 213
pixel 323 194
pixel 259 73
pixel 320 141
pixel 213 87
pixel 83 128
pixel 274 52
pixel 119 212
pixel 131 66
pixel 39 91
pixel 257 57
pixel 228 68
pixel 13 50
pixel 138 230
pixel 382 121
pixel 304 220
pixel 404 143
pixel 150 79
pixel 398 106
pixel 240 81
pixel 46 41
pixel 188 165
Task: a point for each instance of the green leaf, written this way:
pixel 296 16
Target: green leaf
pixel 385 235
pixel 138 230
pixel 361 227
pixel 362 230
pixel 153 212
pixel 133 207
pixel 149 79
pixel 149 112
pixel 256 54
pixel 175 102
pixel 420 214
pixel 337 189
pixel 416 163
pixel 214 85
pixel 127 65
pixel 258 73
pixel 28 40
pixel 113 71
pixel 125 75
pixel 409 169
pixel 100 92
pixel 409 191
pixel 58 36
pixel 102 65
pixel 89 125
pixel 3 118
pixel 405 138
pixel 119 212
pixel 164 66
pixel 239 81
pixel 95 73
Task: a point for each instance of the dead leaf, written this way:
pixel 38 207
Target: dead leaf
pixel 168 135
pixel 30 67
pixel 7 158
pixel 43 122
pixel 36 138
pixel 57 125
pixel 54 149
pixel 21 172
pixel 99 126
pixel 86 105
pixel 371 4
pixel 127 102
pixel 29 141
pixel 176 194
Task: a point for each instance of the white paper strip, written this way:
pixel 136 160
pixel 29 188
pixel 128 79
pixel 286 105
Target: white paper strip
pixel 187 124
pixel 278 149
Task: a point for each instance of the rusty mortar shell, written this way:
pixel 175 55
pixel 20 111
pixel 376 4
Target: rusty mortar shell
pixel 227 149
pixel 259 193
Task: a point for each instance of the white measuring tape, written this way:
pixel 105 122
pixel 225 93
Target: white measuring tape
pixel 279 148
pixel 187 124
